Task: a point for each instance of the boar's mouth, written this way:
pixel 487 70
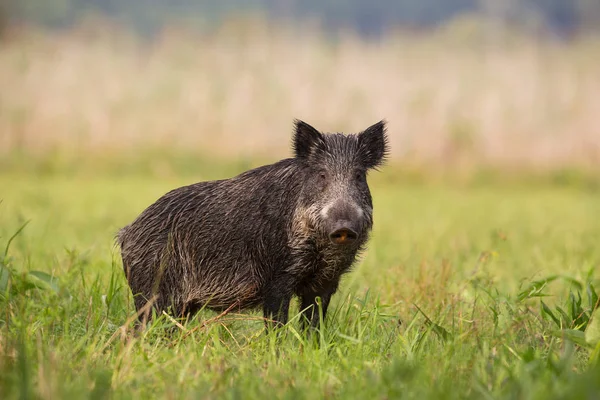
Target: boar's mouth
pixel 343 236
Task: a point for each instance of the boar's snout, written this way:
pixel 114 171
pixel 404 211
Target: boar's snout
pixel 343 222
pixel 344 233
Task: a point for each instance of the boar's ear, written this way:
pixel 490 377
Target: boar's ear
pixel 306 139
pixel 373 145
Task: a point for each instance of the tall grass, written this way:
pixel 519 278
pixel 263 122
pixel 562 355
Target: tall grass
pixel 456 96
pixel 479 293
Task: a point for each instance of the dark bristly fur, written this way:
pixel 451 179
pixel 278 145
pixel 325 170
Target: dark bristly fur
pixel 261 237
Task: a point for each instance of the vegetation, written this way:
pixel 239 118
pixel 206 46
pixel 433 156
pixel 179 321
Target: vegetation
pixel 482 292
pixel 455 98
pixel 374 17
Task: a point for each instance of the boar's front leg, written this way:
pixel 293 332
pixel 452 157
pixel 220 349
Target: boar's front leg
pixel 310 307
pixel 277 301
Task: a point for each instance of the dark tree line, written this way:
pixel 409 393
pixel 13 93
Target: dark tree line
pixel 369 17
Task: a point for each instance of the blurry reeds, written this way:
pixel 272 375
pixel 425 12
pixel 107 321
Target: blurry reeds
pixel 455 96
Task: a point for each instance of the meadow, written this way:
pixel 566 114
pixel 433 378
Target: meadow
pixel 481 278
pixel 445 304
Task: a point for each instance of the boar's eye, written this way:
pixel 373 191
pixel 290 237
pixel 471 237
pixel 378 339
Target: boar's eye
pixel 359 175
pixel 322 175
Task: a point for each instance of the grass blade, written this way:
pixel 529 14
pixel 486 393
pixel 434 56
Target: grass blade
pixel 13 238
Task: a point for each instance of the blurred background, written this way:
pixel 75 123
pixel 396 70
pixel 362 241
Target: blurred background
pixel 465 85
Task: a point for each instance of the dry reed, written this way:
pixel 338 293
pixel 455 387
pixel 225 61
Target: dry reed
pixel 450 98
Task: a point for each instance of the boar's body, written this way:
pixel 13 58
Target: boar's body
pixel 259 238
pixel 218 243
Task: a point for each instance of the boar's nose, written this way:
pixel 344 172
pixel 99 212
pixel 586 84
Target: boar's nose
pixel 343 233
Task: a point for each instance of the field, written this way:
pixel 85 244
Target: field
pixel 482 274
pixel 443 305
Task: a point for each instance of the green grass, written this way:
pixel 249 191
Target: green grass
pixel 445 304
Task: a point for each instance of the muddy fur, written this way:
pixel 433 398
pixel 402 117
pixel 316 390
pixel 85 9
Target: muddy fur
pixel 259 238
